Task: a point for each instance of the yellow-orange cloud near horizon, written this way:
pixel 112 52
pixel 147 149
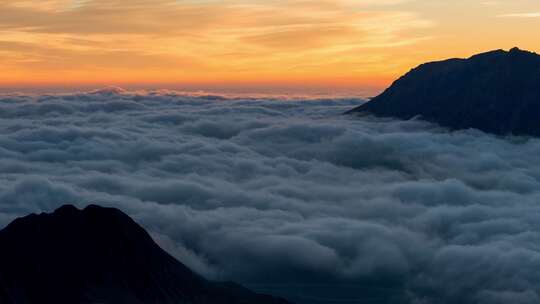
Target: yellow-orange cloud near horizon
pixel 341 43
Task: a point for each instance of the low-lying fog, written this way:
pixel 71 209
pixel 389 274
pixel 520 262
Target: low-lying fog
pixel 289 196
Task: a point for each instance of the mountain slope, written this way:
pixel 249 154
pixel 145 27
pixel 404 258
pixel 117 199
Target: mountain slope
pixel 497 92
pixel 99 255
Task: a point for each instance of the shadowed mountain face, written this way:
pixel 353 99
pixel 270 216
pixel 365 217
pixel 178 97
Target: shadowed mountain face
pixel 99 255
pixel 496 92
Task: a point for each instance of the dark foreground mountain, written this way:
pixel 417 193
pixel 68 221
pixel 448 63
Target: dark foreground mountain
pixel 496 92
pixel 100 255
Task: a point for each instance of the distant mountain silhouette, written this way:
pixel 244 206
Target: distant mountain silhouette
pixel 496 92
pixel 100 255
pixel 110 90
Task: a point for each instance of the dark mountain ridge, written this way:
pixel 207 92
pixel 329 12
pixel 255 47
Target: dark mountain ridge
pixel 496 92
pixel 100 255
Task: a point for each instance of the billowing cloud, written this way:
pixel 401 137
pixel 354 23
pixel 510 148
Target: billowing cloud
pixel 289 196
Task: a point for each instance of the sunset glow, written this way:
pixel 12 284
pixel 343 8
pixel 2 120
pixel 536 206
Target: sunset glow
pixel 327 43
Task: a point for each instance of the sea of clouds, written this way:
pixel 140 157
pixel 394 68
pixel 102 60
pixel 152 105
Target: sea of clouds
pixel 289 196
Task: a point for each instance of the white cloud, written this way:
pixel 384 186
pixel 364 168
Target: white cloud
pixel 289 194
pixel 521 15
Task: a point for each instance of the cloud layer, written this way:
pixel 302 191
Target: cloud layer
pixel 289 196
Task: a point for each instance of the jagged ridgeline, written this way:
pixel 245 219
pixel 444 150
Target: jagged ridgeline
pixel 496 92
pixel 100 255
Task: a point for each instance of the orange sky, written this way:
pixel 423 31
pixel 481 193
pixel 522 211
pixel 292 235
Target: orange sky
pixel 258 43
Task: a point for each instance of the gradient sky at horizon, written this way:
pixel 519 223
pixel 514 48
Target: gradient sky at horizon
pixel 339 44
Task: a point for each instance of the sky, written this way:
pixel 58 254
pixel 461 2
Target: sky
pixel 346 45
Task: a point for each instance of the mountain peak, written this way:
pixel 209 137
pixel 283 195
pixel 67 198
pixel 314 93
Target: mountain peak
pixel 110 90
pixel 99 255
pixel 66 209
pixel 496 92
